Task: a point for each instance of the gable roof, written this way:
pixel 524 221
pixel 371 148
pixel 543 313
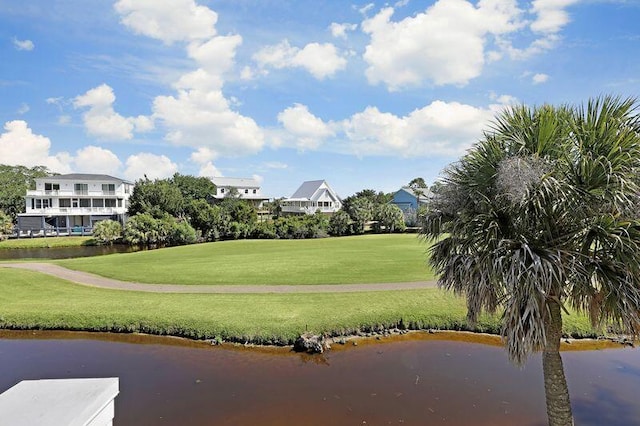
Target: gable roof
pixel 426 192
pixel 236 182
pixel 86 176
pixel 307 189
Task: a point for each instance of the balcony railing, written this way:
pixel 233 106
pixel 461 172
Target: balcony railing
pixel 71 193
pixel 78 210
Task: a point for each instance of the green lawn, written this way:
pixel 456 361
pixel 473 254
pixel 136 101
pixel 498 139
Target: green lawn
pixel 346 260
pixel 49 242
pixel 29 300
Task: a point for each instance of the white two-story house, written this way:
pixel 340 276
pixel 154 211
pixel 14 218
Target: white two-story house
pixel 73 203
pixel 243 188
pixel 312 196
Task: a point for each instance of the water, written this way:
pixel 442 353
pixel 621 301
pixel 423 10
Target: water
pixel 64 252
pixel 417 380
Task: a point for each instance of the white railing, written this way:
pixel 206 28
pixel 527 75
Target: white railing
pixel 78 210
pixel 71 193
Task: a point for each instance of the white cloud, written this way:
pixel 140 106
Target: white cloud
pixel 321 60
pixel 20 146
pixel 24 108
pixel 258 178
pixel 102 121
pixel 64 119
pixel 443 45
pixel 152 165
pixel 169 21
pixel 275 165
pixel 93 159
pixel 209 170
pixel 551 16
pixel 439 128
pixel 23 44
pixel 306 131
pixel 340 30
pixel 198 114
pixel 539 78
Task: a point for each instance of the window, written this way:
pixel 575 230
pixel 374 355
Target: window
pixel 81 188
pixel 119 202
pixel 127 188
pixel 85 202
pixel 64 202
pixel 246 191
pixel 43 204
pixel 110 202
pixel 97 202
pixel 222 190
pixel 108 188
pixel 254 191
pixel 51 186
pixel 74 203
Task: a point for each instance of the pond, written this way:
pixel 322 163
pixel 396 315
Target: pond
pixel 64 252
pixel 416 379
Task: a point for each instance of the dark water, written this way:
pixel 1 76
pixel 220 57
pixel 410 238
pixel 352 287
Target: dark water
pixel 418 381
pixel 64 252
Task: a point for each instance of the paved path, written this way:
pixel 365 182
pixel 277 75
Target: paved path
pixel 93 280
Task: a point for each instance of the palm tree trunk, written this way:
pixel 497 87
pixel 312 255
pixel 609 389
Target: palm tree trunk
pixel 555 383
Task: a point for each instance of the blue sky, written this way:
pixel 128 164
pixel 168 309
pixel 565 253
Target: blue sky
pixel 364 95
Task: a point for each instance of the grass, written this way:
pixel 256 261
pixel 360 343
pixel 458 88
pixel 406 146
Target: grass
pixel 30 300
pixel 49 242
pixel 346 260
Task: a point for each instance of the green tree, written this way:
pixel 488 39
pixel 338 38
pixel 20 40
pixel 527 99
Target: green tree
pixel 157 198
pixel 390 217
pixel 14 183
pixel 360 210
pixel 418 183
pixel 340 223
pixel 538 215
pixel 194 188
pixel 6 225
pixel 107 231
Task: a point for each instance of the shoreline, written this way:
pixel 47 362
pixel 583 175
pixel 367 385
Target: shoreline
pixel 335 343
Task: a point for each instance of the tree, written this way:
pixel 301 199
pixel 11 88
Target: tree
pixel 6 225
pixel 360 210
pixel 157 197
pixel 194 188
pixel 14 183
pixel 107 231
pixel 538 215
pixel 390 217
pixel 417 183
pixel 339 224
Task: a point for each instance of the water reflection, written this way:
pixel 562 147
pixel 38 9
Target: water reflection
pixel 408 381
pixel 64 252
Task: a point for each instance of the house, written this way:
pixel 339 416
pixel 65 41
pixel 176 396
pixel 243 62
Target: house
pixel 73 203
pixel 312 196
pixel 409 198
pixel 244 188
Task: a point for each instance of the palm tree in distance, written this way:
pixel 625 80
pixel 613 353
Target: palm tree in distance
pixel 542 214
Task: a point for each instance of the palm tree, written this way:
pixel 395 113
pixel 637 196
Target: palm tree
pixel 542 214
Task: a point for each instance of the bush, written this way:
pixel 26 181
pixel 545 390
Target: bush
pixel 340 223
pixel 6 225
pixel 182 233
pixel 107 231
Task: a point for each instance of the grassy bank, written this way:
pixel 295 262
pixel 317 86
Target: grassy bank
pixel 29 300
pixel 49 242
pixel 346 260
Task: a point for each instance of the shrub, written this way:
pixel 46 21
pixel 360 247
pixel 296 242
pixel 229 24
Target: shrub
pixel 107 231
pixel 340 223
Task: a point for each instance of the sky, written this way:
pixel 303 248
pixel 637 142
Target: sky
pixel 361 94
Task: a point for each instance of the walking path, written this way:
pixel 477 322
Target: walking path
pixel 93 280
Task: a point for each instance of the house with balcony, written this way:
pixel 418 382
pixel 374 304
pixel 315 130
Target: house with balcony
pixel 72 203
pixel 243 188
pixel 312 196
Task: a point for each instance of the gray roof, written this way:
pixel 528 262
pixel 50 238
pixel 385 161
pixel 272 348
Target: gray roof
pixel 87 176
pixel 235 182
pixel 426 192
pixel 307 189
